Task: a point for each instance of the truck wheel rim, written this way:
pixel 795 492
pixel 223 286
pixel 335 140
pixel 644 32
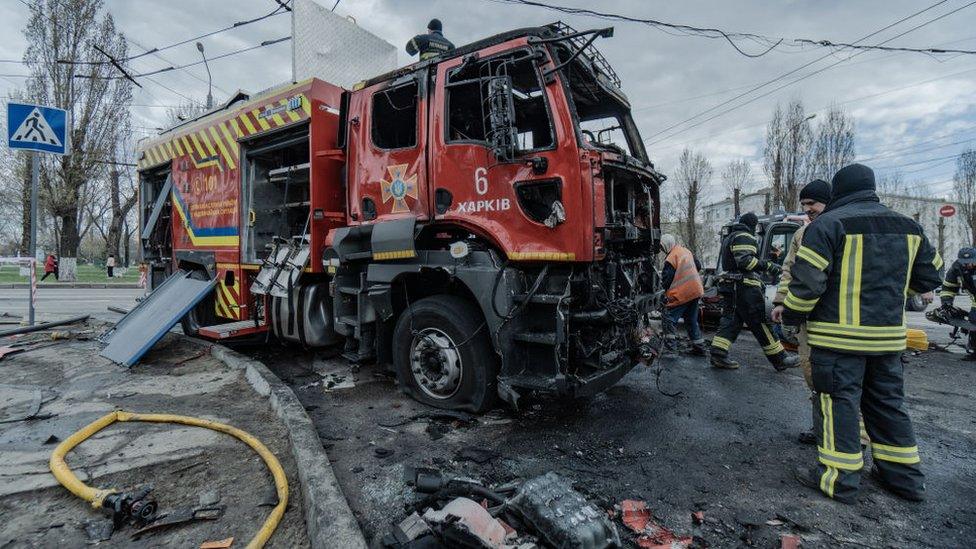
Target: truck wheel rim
pixel 435 363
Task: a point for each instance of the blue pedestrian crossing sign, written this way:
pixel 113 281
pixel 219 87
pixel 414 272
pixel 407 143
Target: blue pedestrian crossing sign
pixel 37 128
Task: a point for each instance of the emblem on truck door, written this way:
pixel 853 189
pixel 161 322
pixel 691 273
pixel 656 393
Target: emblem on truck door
pixel 399 187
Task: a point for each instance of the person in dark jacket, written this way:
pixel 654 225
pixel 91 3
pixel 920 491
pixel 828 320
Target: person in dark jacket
pixel 857 263
pixel 431 44
pixel 743 301
pixel 961 275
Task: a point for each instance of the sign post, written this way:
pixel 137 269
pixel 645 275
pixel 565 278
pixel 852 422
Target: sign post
pixel 42 130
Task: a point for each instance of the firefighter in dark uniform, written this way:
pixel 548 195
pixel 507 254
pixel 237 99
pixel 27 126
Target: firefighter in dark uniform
pixel 961 275
pixel 431 44
pixel 857 263
pixel 742 290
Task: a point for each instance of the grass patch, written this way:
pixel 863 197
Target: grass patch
pixel 10 274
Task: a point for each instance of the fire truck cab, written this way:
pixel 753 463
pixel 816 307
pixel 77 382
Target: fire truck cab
pixel 485 222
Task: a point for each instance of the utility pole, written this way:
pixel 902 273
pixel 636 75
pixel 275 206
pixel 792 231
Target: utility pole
pixel 35 175
pixel 941 236
pixel 209 77
pixel 735 201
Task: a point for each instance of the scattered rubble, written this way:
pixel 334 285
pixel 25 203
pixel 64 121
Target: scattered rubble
pixel 562 516
pixel 651 535
pixel 460 512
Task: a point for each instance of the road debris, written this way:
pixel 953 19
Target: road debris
pixel 44 326
pixel 180 517
pixel 562 516
pixel 410 529
pixel 651 535
pixel 99 530
pixel 218 544
pixel 463 512
pixel 476 454
pixel 789 541
pixel 465 523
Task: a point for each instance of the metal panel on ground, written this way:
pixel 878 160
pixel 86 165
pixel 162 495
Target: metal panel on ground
pixel 149 321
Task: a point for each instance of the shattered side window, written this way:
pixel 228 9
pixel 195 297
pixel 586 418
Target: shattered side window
pixel 467 91
pixel 394 117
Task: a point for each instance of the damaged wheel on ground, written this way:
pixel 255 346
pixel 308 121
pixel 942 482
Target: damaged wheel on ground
pixel 442 354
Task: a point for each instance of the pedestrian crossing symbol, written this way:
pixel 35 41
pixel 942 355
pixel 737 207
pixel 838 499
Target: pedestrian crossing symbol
pixel 37 128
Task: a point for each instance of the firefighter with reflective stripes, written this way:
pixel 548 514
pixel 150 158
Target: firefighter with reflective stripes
pixel 743 301
pixel 961 276
pixel 431 44
pixel 680 275
pixel 854 269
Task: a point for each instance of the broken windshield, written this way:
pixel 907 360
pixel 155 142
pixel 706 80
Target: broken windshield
pixel 602 112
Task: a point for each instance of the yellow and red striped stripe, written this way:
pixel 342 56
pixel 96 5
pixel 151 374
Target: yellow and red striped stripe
pixel 217 142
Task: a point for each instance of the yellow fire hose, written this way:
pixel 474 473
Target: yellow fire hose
pixel 96 497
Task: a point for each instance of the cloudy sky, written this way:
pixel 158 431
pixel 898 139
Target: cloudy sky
pixel 913 111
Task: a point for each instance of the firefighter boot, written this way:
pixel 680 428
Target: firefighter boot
pixel 783 361
pixel 698 348
pixel 808 477
pixel 917 496
pixel 723 363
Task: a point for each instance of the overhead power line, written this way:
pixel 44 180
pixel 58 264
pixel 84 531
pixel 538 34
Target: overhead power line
pixel 833 104
pixel 216 57
pixel 762 85
pixel 801 78
pixel 770 43
pixel 195 63
pixel 277 11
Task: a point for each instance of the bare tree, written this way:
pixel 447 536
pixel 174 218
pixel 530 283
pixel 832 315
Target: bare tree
pixel 833 146
pixel 964 184
pixel 68 70
pixel 787 153
pixel 183 112
pixel 693 174
pixel 736 176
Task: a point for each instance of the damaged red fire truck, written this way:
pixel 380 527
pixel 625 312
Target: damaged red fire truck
pixel 484 222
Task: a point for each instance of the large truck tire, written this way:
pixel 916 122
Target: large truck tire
pixel 202 314
pixel 442 354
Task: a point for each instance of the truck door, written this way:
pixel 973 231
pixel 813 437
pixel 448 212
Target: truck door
pixel 509 201
pixel 387 137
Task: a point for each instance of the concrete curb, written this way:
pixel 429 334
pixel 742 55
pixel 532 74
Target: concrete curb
pixel 328 518
pixel 72 285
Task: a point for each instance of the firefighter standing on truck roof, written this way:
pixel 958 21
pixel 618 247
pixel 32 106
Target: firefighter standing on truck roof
pixel 853 271
pixel 961 274
pixel 742 292
pixel 814 197
pixel 431 44
pixel 684 290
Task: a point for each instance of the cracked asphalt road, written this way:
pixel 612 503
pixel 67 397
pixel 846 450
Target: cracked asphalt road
pixel 725 445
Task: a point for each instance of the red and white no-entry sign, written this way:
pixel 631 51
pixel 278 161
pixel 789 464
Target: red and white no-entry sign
pixel 947 211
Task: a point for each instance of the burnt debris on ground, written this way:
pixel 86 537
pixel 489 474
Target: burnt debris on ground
pixel 722 451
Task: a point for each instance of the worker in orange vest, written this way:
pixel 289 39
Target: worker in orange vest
pixel 682 280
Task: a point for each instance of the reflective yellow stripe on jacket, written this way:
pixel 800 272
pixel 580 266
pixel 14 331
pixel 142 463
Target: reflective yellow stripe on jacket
pixel 812 257
pixel 848 337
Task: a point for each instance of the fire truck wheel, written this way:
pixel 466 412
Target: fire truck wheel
pixel 442 354
pixel 203 314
